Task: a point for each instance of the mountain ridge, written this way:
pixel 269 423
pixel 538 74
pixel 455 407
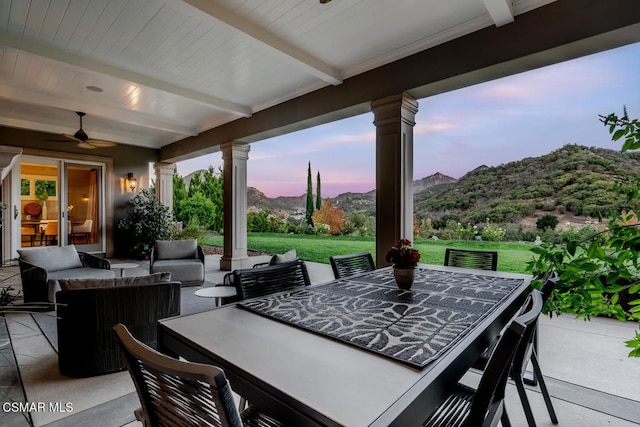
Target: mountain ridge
pixel 574 180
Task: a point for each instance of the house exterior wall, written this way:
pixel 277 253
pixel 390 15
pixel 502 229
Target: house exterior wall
pixel 120 160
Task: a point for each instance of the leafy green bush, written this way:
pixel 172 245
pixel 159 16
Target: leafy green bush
pixel 147 220
pixel 198 206
pixel 192 230
pixel 547 221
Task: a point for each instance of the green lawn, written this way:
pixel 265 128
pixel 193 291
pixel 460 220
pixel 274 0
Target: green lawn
pixel 512 257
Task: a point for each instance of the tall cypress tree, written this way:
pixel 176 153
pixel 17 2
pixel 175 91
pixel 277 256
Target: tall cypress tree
pixel 309 213
pixel 318 195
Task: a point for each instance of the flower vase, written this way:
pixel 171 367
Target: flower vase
pixel 44 210
pixel 404 277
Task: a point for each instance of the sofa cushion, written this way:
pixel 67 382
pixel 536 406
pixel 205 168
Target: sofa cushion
pixel 75 273
pixel 182 270
pixel 285 257
pixel 52 258
pixel 176 249
pixel 69 284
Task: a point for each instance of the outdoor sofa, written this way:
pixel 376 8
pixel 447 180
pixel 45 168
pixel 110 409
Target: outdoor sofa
pixel 42 267
pixel 88 309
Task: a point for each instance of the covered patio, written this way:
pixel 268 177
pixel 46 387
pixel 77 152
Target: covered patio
pixel 586 369
pixel 188 90
pixel 187 78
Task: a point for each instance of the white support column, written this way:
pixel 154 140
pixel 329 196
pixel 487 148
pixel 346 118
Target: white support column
pixel 164 183
pixel 394 118
pixel 235 156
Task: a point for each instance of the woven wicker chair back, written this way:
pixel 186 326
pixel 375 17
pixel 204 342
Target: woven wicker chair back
pixel 257 282
pixel 348 265
pixel 175 392
pixel 482 260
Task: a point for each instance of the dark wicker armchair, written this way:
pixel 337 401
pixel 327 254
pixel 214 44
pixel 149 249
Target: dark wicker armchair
pixel 483 260
pixel 257 282
pixel 178 392
pixel 86 346
pixel 348 265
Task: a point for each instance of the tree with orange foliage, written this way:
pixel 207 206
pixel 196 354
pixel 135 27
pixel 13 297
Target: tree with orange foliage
pixel 329 216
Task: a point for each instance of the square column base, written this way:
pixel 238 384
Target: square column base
pixel 230 264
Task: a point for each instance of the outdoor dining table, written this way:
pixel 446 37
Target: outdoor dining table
pixel 355 351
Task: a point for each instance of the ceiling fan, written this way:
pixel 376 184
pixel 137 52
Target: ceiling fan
pixel 83 139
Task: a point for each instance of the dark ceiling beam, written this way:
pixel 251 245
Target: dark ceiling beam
pixel 557 32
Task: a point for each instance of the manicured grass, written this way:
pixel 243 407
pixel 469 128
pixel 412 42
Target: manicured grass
pixel 512 257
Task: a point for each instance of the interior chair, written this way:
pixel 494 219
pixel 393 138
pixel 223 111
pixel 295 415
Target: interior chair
pixel 348 265
pixel 528 351
pixel 28 234
pixel 50 234
pixel 178 392
pixel 84 229
pixel 482 260
pixel 257 282
pixel 484 406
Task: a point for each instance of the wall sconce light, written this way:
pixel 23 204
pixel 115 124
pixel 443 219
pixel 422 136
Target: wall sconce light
pixel 132 181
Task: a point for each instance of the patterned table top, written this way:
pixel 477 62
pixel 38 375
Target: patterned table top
pixel 370 312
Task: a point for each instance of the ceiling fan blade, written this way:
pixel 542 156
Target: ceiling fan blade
pixel 98 143
pixel 71 137
pixel 85 145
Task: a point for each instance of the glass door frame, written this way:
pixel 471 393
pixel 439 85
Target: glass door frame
pixel 61 161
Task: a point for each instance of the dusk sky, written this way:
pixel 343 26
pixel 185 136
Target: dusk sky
pixel 525 115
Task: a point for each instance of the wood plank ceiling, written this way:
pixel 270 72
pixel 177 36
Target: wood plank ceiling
pixel 171 69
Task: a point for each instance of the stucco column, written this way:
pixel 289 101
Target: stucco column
pixel 394 118
pixel 164 183
pixel 235 156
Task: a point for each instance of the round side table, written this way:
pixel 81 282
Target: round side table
pixel 123 266
pixel 217 292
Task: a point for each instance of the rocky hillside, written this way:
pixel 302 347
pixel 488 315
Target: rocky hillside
pixel 574 180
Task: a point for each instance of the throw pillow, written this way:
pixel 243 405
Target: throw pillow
pixel 285 257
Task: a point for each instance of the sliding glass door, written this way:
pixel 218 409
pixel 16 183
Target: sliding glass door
pixel 61 203
pixel 84 195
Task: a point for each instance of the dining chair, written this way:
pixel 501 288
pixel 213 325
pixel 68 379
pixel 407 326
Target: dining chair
pixel 484 406
pixel 528 351
pixel 483 260
pixel 348 265
pixel 83 229
pixel 257 282
pixel 179 392
pixel 29 234
pixel 51 233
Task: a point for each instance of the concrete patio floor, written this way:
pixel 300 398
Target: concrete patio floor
pixel 590 378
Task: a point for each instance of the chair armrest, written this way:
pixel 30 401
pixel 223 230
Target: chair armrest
pixel 200 254
pixel 93 261
pixel 32 273
pixel 34 283
pixel 227 280
pixel 260 264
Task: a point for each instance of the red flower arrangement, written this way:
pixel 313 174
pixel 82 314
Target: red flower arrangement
pixel 402 255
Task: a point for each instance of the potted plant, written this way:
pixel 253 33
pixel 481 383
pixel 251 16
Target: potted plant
pixel 405 259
